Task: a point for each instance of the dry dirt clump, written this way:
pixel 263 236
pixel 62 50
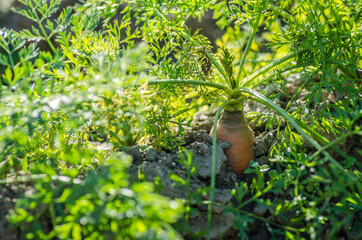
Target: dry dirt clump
pixel 162 164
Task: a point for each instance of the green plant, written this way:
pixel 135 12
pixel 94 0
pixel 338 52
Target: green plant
pixel 103 205
pixel 318 49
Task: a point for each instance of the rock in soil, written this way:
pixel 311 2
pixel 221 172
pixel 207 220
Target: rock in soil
pixel 220 224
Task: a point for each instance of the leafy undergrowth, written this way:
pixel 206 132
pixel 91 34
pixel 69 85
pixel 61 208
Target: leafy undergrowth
pixel 105 134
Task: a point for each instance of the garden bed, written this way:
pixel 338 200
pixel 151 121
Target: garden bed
pixel 160 167
pixel 118 120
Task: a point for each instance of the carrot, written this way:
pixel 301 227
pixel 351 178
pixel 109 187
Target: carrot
pixel 233 128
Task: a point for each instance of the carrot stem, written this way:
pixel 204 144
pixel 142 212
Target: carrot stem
pixel 191 82
pixel 256 96
pixel 252 86
pixel 247 49
pixel 246 81
pixel 213 168
pixel 190 108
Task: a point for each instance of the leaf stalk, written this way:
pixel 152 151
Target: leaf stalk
pixel 248 46
pixel 246 81
pixel 213 168
pixel 191 82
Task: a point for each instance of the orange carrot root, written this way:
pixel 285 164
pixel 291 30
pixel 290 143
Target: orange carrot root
pixel 233 128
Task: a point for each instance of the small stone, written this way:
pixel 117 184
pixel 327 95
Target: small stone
pixel 285 217
pixel 224 145
pixel 222 196
pixel 261 160
pixel 262 144
pixel 205 150
pixel 136 154
pixel 258 151
pixel 203 121
pixel 260 210
pixel 152 170
pixel 220 224
pixel 167 160
pixel 204 162
pixel 151 155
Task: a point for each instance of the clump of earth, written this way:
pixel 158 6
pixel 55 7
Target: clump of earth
pixel 162 164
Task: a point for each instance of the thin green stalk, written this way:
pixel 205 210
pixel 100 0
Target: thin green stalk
pixel 52 214
pixel 330 144
pixel 44 32
pixel 213 168
pixel 256 96
pixel 11 60
pixel 263 100
pixel 297 92
pixel 212 59
pixel 5 46
pixel 275 73
pixel 191 82
pixel 247 49
pixel 290 102
pixel 192 107
pixel 246 81
pixel 322 139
